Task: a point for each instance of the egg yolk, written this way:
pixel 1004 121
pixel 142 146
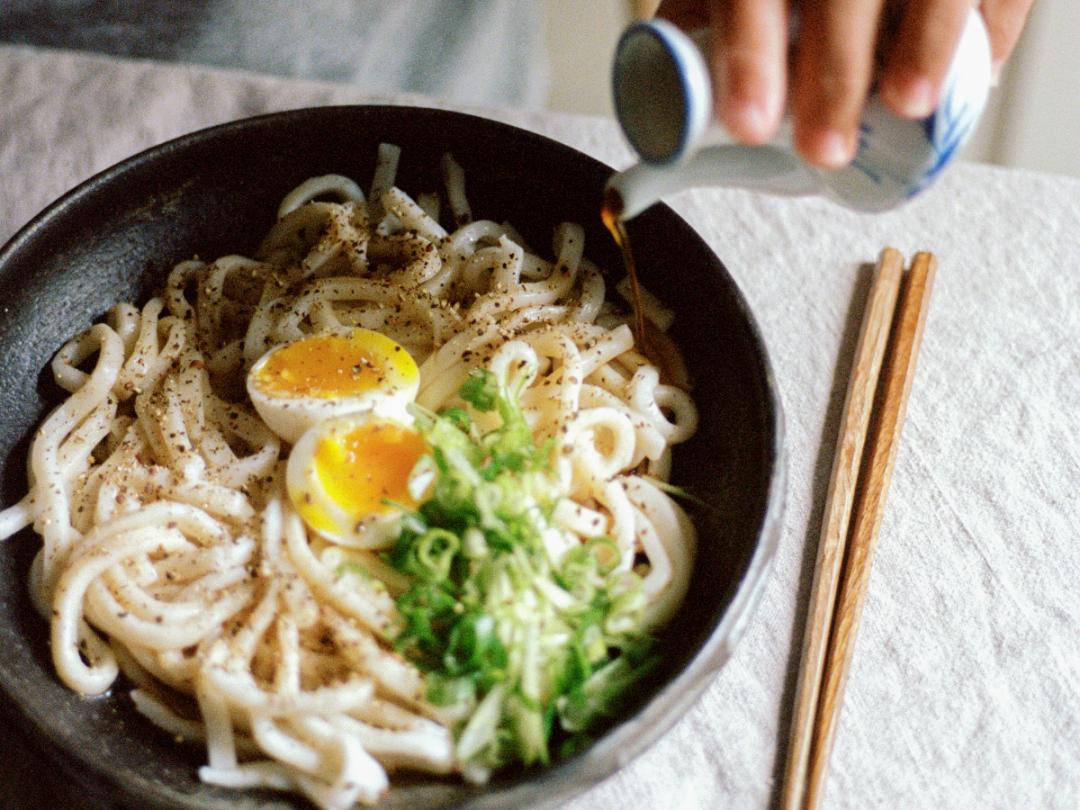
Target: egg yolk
pixel 369 464
pixel 332 366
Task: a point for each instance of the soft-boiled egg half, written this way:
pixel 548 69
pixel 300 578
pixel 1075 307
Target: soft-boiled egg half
pixel 298 384
pixel 341 399
pixel 350 477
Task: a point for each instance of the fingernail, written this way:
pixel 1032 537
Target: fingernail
pixel 995 72
pixel 917 98
pixel 750 118
pixel 749 102
pixel 832 149
pixel 750 122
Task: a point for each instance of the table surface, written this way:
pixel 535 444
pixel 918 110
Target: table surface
pixel 965 685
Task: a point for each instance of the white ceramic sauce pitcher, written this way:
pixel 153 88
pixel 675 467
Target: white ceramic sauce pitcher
pixel 663 101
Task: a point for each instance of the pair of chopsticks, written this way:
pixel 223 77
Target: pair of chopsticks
pixel 873 417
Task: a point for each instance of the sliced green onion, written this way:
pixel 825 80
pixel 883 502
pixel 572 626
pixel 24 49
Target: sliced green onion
pixel 537 636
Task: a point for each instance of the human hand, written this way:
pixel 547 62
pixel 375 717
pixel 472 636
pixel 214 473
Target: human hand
pixel 825 76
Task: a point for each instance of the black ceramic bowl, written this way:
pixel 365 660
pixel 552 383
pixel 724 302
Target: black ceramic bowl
pixel 216 192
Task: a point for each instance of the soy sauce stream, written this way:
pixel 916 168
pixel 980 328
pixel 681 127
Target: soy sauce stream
pixel 611 215
pixel 655 345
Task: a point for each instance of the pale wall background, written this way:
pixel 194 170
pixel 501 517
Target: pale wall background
pixel 1035 122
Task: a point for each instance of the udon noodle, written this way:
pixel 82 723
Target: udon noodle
pixel 171 553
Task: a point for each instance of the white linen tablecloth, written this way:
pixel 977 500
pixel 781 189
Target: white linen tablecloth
pixel 965 686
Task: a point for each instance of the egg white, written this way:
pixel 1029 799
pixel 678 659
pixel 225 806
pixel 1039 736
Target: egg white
pixel 299 384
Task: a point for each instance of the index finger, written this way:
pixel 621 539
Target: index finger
pixel 750 51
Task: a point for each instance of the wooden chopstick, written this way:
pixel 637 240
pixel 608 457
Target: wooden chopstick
pixel 857 491
pixel 862 384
